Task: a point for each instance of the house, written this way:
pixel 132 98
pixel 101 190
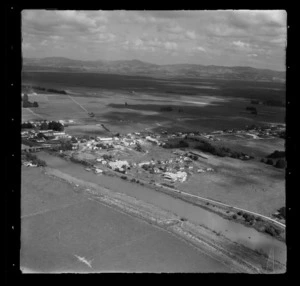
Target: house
pixel 98 171
pixel 59 133
pixel 152 140
pixel 104 139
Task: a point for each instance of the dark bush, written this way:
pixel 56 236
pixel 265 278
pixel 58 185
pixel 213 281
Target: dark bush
pixel 26 125
pixel 248 217
pixel 251 108
pixel 183 144
pixel 282 212
pixel 234 216
pixel 107 157
pixel 273 102
pixel 277 154
pixel 166 108
pixel 124 177
pixel 281 164
pixel 239 213
pixel 270 230
pixel 41 163
pixel 269 162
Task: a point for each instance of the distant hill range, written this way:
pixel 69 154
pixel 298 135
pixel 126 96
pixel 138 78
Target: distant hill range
pixel 136 67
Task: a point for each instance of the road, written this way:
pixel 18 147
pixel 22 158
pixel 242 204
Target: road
pixel 77 103
pixel 34 113
pixel 225 205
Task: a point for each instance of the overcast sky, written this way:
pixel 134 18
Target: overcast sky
pixel 229 38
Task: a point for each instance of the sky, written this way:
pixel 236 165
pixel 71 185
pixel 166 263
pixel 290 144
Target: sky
pixel 217 37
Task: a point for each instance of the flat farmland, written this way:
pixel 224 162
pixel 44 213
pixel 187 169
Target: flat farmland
pixel 205 105
pixel 59 225
pixel 132 104
pixel 251 185
pixel 204 113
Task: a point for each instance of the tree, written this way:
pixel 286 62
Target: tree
pixel 35 104
pixel 44 126
pixel 282 212
pixel 73 140
pixel 41 135
pixel 26 125
pixel 66 146
pixel 25 97
pixel 269 162
pixel 281 164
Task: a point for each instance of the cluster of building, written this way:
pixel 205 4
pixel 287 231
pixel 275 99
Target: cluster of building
pixel 173 169
pixel 39 139
pixel 257 132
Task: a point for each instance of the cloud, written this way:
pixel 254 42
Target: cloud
pixel 170 46
pixel 44 22
pixel 191 35
pixel 241 44
pixel 27 46
pixel 201 49
pixel 227 36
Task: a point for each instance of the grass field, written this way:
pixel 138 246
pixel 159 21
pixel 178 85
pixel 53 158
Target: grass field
pixel 210 105
pixel 59 225
pixel 203 113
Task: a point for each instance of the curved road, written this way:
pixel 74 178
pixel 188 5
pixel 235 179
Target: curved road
pixel 218 203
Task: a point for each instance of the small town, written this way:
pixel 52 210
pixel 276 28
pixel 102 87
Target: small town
pixel 134 154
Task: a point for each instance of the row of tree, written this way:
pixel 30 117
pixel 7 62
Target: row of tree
pixel 52 125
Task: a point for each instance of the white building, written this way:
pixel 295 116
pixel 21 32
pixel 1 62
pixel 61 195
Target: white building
pixel 104 139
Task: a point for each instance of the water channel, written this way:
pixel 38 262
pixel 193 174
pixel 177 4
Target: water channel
pixel 234 231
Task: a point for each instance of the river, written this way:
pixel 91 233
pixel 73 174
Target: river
pixel 236 232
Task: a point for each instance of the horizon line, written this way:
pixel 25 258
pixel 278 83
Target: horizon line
pixel 134 59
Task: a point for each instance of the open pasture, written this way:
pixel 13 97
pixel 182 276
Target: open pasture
pixel 198 104
pixel 251 185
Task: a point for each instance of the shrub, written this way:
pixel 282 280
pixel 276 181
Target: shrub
pixel 248 217
pixel 282 212
pixel 41 163
pixel 239 213
pixel 183 144
pixel 281 164
pixel 270 230
pixel 277 154
pixel 124 177
pixel 234 216
pixel 269 162
pixel 166 108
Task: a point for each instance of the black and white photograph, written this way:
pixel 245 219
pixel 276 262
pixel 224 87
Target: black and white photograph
pixel 153 141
